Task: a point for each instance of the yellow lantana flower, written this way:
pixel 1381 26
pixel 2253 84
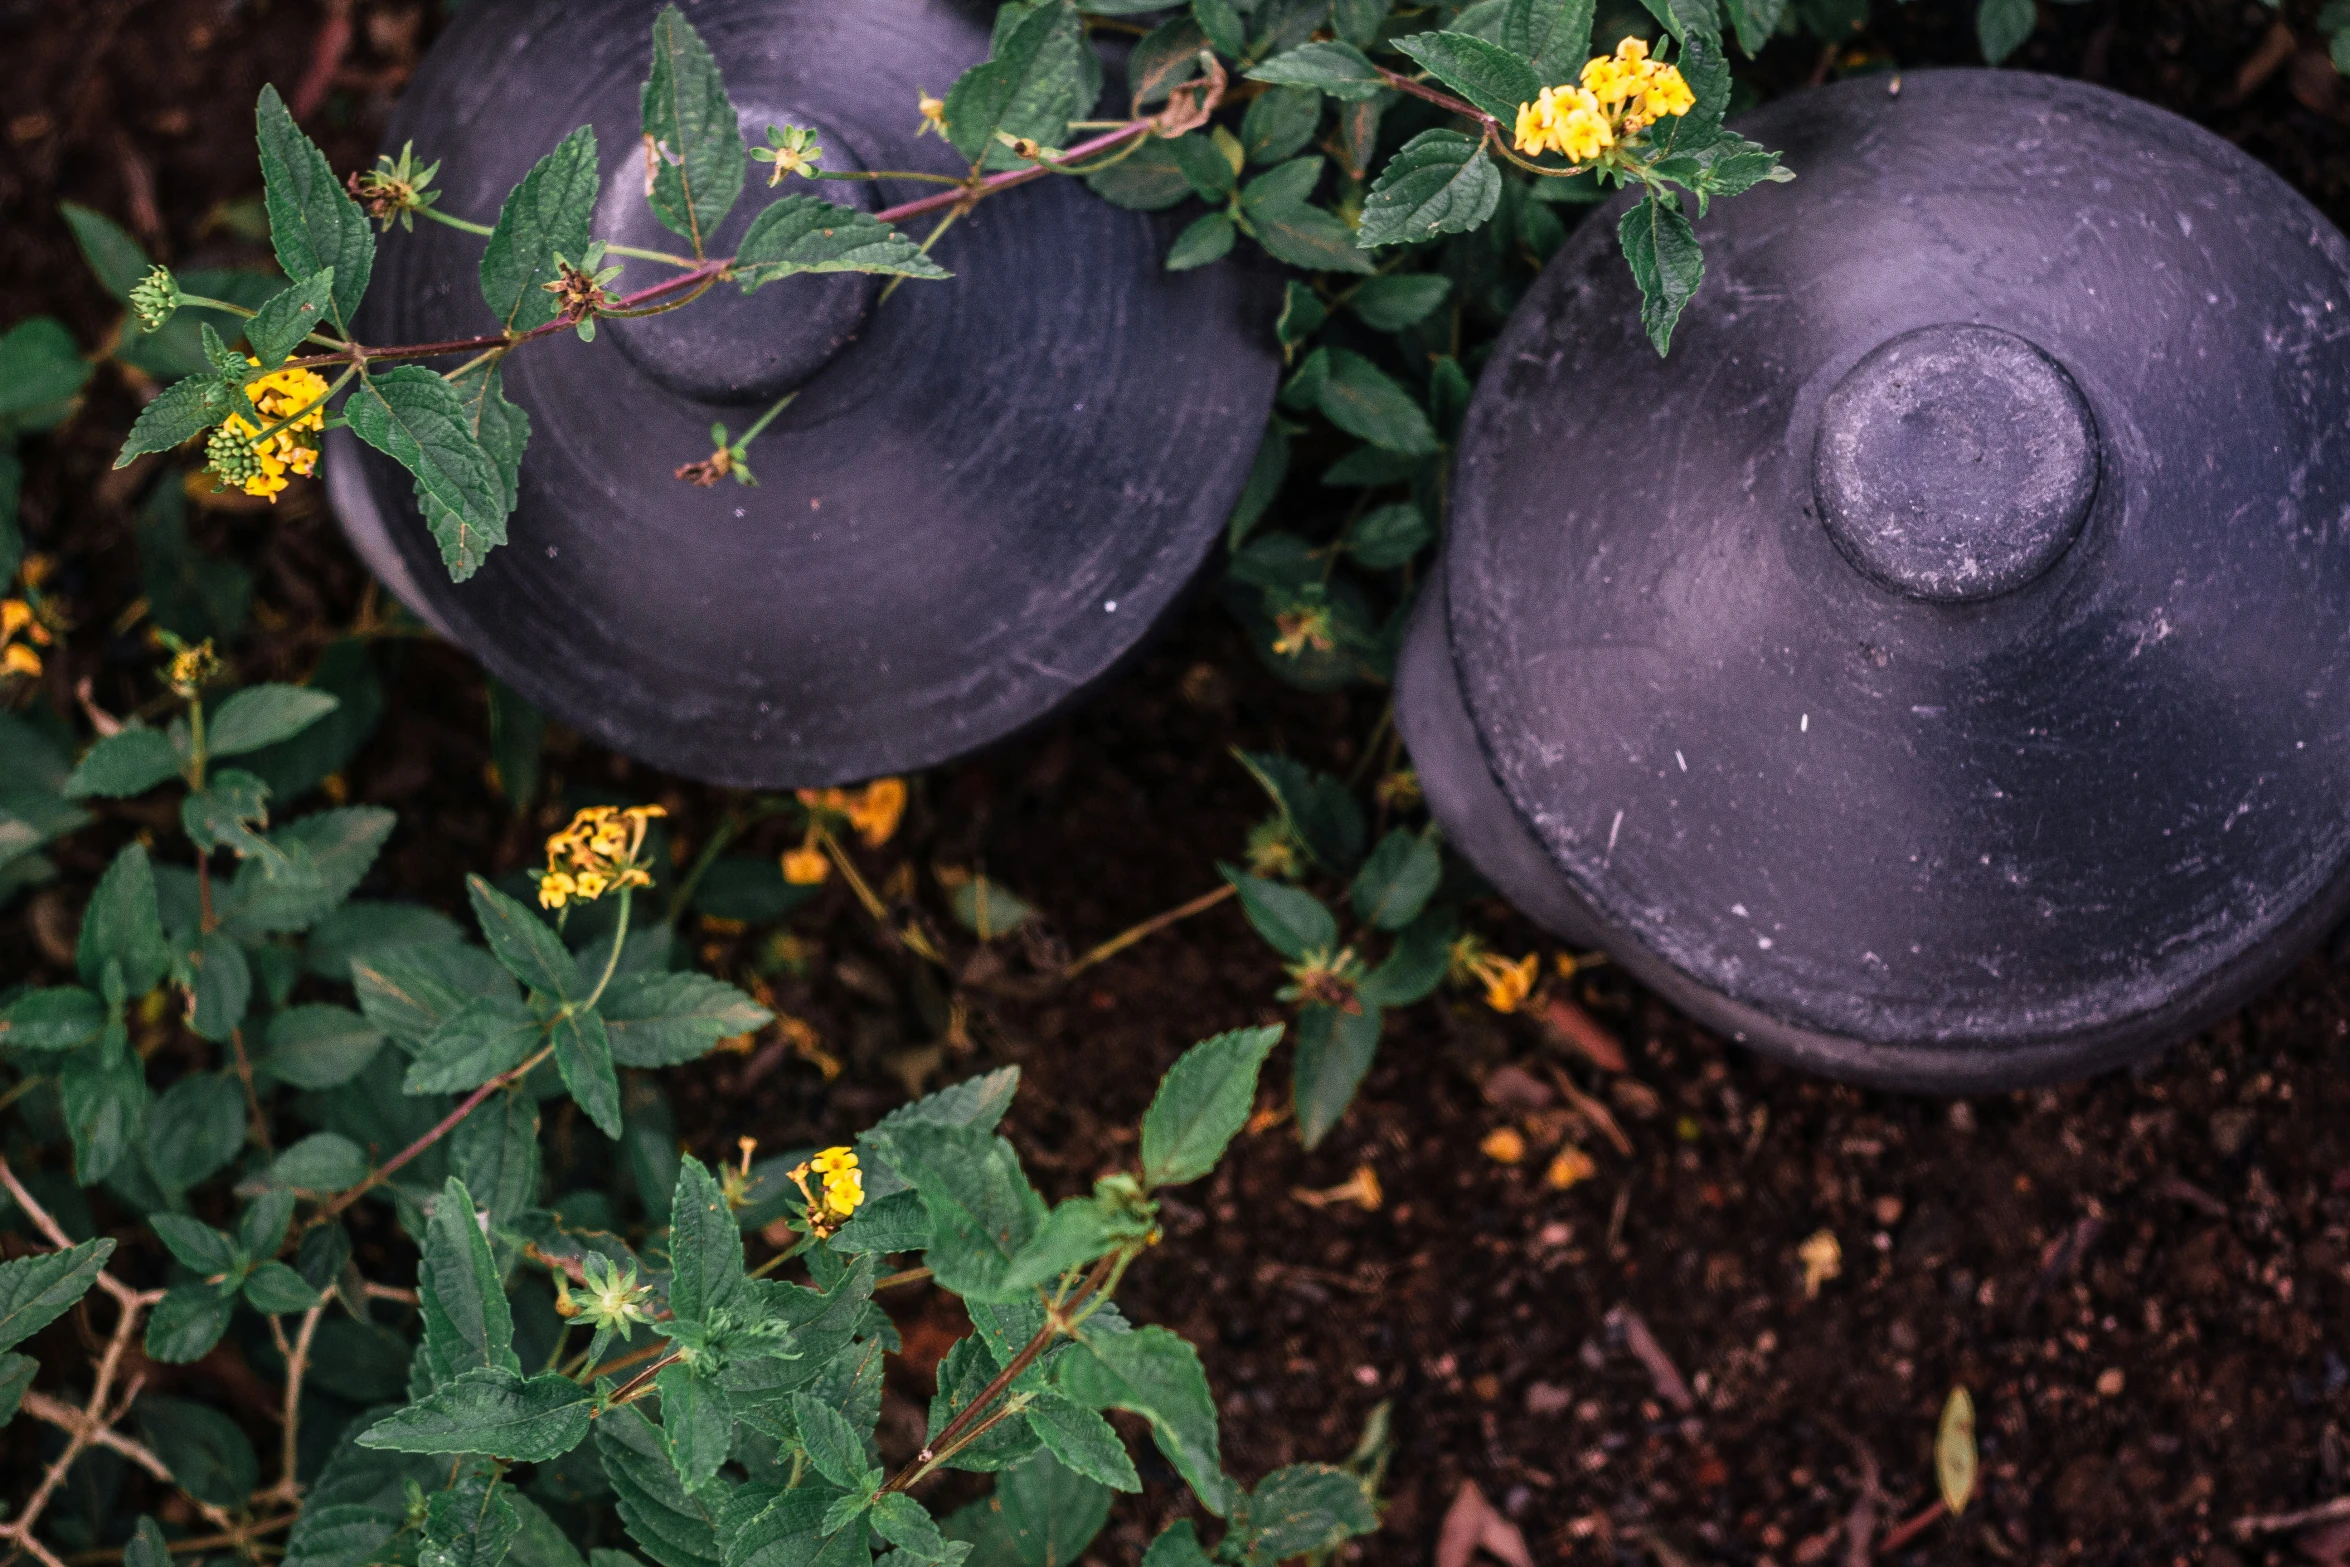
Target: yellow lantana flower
pixel 17 657
pixel 844 1187
pixel 806 865
pixel 1507 984
pixel 601 851
pixel 260 467
pixel 1620 96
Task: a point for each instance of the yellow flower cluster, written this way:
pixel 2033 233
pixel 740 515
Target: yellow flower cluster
pixel 1507 984
pixel 261 468
pixel 872 813
pixel 844 1187
pixel 596 854
pixel 17 657
pixel 1621 95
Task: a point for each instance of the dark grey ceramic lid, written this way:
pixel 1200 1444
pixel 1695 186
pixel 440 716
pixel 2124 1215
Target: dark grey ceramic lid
pixel 1945 653
pixel 985 493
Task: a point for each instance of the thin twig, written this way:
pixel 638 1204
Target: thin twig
pixel 1150 927
pixel 2278 1523
pixel 63 1415
pixel 447 1124
pixel 196 1542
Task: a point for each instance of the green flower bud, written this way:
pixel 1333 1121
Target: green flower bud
pixel 154 297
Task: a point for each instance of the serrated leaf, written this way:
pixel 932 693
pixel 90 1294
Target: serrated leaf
pixel 408 992
pixel 494 1412
pixel 1554 34
pixel 1032 85
pixel 331 851
pixel 1333 67
pixel 319 1046
pixel 982 1209
pixel 263 715
pixel 1201 1105
pixel 1486 74
pixel 1366 402
pixel 664 1019
pixel 1043 1514
pixel 195 1128
pixel 470 1524
pixel 62 1017
pixel 674 1527
pixel 695 1427
pixel 962 1376
pixel 907 1524
pixel 519 939
pixel 1305 235
pixel 273 1289
pixel 1292 920
pixel 41 372
pixel 186 408
pixel 122 927
pixel 36 1291
pixel 1755 21
pixel 278 328
pixel 808 234
pixel 482 1038
pixel 187 1322
pixel 1301 1508
pixel 193 1244
pixel 467 1323
pixel 495 1152
pixel 1149 179
pixel 321 1162
pixel 1662 251
pixel 833 1445
pixel 1177 1545
pixel 545 216
pixel 1334 1049
pixel 1083 1441
pixel 583 1055
pixel 1440 182
pixel 220 986
pixel 1400 299
pixel 314 224
pixel 1153 1373
pixel 705 1247
pixel 417 419
pixel 694 151
pixel 102 1089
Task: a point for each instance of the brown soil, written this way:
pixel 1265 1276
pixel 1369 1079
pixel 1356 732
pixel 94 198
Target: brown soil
pixel 2145 1280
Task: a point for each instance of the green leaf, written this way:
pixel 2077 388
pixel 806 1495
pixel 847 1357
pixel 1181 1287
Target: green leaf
pixel 693 145
pixel 962 1377
pixel 262 1228
pixel 664 1019
pixel 695 1426
pixel 1043 1514
pixel 495 1151
pixel 540 1541
pixel 504 433
pixel 320 1046
pixel 1305 236
pixel 36 1291
pixel 492 1411
pixel 1339 69
pixel 195 1245
pixel 1363 400
pixel 1083 1441
pixel 1755 21
pixel 418 420
pixel 41 372
pixel 113 255
pixel 1334 1050
pixel 809 234
pixel 102 1089
pixel 187 1322
pixel 147 1547
pixel 278 328
pixel 331 851
pixel 907 1524
pixel 206 1452
pixel 1294 921
pixel 1153 1373
pixel 1209 172
pixel 1397 300
pixel 1389 536
pixel 1486 74
pixel 1206 238
pixel 1040 76
pixel 1201 1105
pixel 410 991
pixel 130 761
pixel 484 1037
pixel 471 1524
pixel 220 986
pixel 364 929
pixel 273 1289
pixel 122 927
pixel 1441 182
pixel 705 1247
pixel 358 1503
pixel 982 1209
pixel 1279 123
pixel 313 223
pixel 2001 26
pixel 263 715
pixel 1149 179
pixel 1554 34
pixel 224 815
pixel 183 409
pixel 467 1323
pixel 321 1162
pixel 987 908
pixel 545 216
pixel 1302 1508
pixel 1177 1545
pixel 1398 879
pixel 1166 57
pixel 583 1055
pixel 62 1017
pixel 674 1527
pixel 1662 250
pixel 833 1445
pixel 195 1128
pixel 520 940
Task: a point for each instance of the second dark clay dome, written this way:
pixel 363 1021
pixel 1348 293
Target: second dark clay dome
pixel 1937 671
pixel 986 491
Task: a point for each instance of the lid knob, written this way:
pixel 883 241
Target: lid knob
pixel 1955 463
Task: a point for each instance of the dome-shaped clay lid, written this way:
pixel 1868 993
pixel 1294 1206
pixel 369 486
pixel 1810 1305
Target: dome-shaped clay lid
pixel 984 493
pixel 1945 654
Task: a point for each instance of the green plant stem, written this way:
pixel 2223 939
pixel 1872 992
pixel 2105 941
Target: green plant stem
pixel 635 1387
pixel 467 225
pixel 889 174
pixel 443 1128
pixel 1150 927
pixel 320 401
pixel 767 418
pixel 612 963
pixel 206 302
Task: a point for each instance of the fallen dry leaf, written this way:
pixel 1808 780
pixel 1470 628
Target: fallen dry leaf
pixel 1515 1088
pixel 1361 1189
pixel 1570 1168
pixel 1471 1525
pixel 1504 1145
pixel 1823 1259
pixel 1670 1386
pixel 1569 1026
